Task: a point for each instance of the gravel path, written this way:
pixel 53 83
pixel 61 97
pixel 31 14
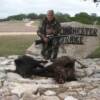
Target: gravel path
pixel 16 33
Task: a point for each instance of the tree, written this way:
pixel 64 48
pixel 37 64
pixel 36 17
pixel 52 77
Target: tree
pixel 83 18
pixel 32 16
pixel 41 16
pixel 17 17
pixel 98 20
pixel 62 17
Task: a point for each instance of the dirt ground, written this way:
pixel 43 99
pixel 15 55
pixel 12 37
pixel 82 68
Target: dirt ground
pixel 18 26
pixel 17 33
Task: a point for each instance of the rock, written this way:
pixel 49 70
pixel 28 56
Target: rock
pixel 2 75
pixel 67 93
pixel 88 62
pixel 91 98
pixel 34 50
pixel 1 83
pixel 80 73
pixel 10 97
pixel 73 84
pixel 29 96
pixel 77 65
pixel 97 70
pixel 97 75
pixel 90 79
pixel 21 88
pixel 90 71
pixel 4 91
pixel 5 62
pixel 2 68
pixel 95 93
pixel 45 81
pixel 70 98
pixel 10 67
pixel 2 58
pixel 7 67
pixel 82 93
pixel 13 76
pixel 97 60
pixel 15 87
pixel 50 93
pixel 47 98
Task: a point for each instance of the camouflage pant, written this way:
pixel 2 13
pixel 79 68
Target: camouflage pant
pixel 50 49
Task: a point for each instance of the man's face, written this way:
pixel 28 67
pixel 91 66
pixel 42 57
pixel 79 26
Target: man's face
pixel 50 16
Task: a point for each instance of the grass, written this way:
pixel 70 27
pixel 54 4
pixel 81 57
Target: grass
pixel 95 54
pixel 16 45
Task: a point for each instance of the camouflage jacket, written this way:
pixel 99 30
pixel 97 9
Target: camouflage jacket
pixel 46 24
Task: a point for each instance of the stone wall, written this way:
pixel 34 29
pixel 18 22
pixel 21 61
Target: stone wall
pixel 77 51
pixel 14 87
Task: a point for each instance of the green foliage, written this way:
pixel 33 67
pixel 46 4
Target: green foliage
pixel 63 17
pixel 80 17
pixel 41 16
pixel 83 18
pixel 17 17
pixel 98 21
pixel 32 16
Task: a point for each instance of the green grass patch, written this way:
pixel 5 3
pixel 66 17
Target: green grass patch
pixel 10 45
pixel 95 54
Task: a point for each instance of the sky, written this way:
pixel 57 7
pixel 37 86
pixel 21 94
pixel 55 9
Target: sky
pixel 14 7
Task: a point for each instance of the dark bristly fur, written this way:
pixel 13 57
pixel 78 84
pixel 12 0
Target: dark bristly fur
pixel 61 70
pixel 64 69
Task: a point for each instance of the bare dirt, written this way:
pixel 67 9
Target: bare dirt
pixel 17 26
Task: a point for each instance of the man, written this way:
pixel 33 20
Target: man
pixel 49 27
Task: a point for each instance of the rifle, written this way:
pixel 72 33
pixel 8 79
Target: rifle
pixel 65 39
pixel 40 41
